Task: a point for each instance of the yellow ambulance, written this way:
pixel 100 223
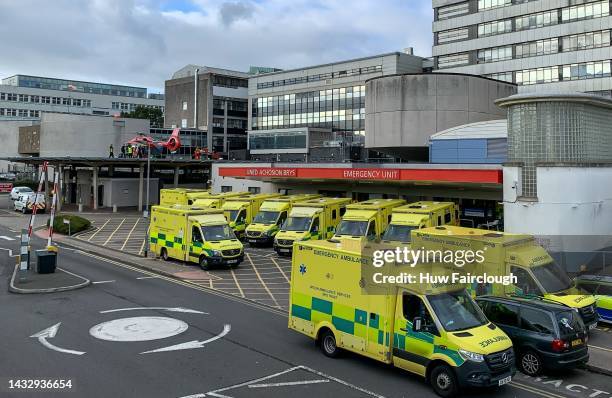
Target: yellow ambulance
pixel 216 200
pixel 419 215
pixel 310 220
pixel 367 220
pixel 271 216
pixel 240 211
pixel 537 274
pixel 172 196
pixel 199 236
pixel 434 330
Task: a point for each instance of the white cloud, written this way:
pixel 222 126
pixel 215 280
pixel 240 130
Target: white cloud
pixel 142 42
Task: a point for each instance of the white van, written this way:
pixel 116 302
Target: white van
pixel 25 202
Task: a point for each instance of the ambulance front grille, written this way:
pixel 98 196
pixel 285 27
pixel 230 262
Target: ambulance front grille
pixel 285 242
pixel 230 252
pixel 499 361
pixel 253 234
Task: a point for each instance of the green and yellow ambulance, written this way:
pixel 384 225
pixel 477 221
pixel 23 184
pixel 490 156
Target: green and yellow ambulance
pixel 418 215
pixel 434 330
pixel 216 200
pixel 367 220
pixel 271 216
pixel 310 220
pixel 199 236
pixel 240 211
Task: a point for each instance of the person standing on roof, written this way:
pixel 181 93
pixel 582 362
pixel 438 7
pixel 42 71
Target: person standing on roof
pixel 129 151
pixel 111 153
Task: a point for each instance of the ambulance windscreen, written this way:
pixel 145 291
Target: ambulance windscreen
pixel 217 232
pixel 457 311
pixel 398 233
pixel 352 228
pixel 297 224
pixel 266 217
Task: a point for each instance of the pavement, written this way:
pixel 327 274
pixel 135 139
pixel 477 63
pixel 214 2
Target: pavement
pixel 30 282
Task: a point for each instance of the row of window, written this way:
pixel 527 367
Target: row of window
pixel 550 74
pixel 84 87
pixel 454 10
pixel 231 82
pixel 263 122
pixel 130 107
pixel 41 99
pixel 320 77
pixel 546 18
pixel 240 106
pixel 311 96
pixel 554 45
pixel 19 112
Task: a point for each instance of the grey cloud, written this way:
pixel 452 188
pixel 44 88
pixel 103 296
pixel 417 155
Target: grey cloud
pixel 231 12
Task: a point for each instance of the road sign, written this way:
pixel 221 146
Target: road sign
pixel 6 187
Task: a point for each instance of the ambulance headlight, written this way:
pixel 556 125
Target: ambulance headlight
pixel 216 252
pixel 471 356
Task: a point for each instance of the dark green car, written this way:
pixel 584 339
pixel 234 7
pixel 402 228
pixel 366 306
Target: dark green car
pixel 545 336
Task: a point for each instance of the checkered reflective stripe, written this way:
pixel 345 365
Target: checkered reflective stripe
pixel 170 241
pixel 284 242
pixel 230 252
pixel 350 320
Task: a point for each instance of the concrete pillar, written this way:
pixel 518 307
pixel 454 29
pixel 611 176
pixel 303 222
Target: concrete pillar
pixel 176 177
pixel 140 186
pixel 60 189
pixel 95 188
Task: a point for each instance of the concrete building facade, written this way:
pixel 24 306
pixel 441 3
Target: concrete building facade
pixel 541 45
pixel 219 107
pixel 27 97
pixel 329 96
pixel 403 111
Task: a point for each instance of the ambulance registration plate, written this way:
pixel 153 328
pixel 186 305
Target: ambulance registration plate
pixel 592 326
pixel 283 250
pixel 252 240
pixel 232 261
pixel 505 380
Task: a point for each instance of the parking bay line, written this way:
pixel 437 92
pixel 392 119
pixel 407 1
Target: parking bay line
pixel 115 231
pixel 289 383
pixel 262 281
pixel 99 229
pixel 130 234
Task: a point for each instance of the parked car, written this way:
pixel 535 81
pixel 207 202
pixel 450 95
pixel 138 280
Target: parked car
pixel 25 202
pixel 8 176
pixel 16 191
pixel 546 336
pixel 601 287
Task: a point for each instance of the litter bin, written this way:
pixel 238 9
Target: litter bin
pixel 45 261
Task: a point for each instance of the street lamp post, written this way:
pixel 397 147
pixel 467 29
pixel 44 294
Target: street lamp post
pixel 146 211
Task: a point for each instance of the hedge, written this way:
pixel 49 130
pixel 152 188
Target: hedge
pixel 77 224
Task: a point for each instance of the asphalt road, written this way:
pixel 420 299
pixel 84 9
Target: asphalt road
pixel 258 357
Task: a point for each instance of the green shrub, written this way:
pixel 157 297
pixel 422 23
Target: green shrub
pixel 77 224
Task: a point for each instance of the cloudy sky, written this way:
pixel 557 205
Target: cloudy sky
pixel 142 42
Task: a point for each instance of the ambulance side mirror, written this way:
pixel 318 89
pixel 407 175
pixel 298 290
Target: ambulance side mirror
pixel 417 324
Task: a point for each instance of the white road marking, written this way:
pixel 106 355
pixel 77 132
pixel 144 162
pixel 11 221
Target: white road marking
pixel 146 277
pixel 98 282
pixel 289 383
pixel 192 344
pixel 144 328
pixel 130 234
pixel 10 252
pixel 6 237
pixel 194 396
pixel 113 233
pixel 176 309
pixel 99 229
pixel 50 333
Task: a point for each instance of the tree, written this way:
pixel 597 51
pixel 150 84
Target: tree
pixel 155 115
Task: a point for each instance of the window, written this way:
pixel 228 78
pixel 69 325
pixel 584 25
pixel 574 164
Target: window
pixel 494 28
pixel 487 4
pixel 494 54
pixel 56 101
pixel 586 41
pixel 587 70
pixel 453 10
pixel 537 76
pixel 447 218
pixel 447 61
pixel 539 47
pixel 371 234
pixel 76 102
pixel 334 214
pixel 413 307
pixel 66 101
pixel 585 11
pixel 536 321
pixel 184 105
pixel 254 189
pixel 538 20
pixel 86 103
pixel 503 314
pixel 184 123
pixel 45 100
pixel 226 188
pixel 525 284
pixel 342 211
pixel 453 35
pixel 11 97
pixel 24 98
pixel 196 235
pixel 315 226
pixel 281 218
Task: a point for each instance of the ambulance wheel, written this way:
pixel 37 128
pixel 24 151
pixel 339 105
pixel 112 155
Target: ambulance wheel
pixel 23 210
pixel 530 363
pixel 204 263
pixel 444 381
pixel 328 344
pixel 164 254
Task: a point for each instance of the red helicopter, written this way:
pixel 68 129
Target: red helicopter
pixel 172 145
